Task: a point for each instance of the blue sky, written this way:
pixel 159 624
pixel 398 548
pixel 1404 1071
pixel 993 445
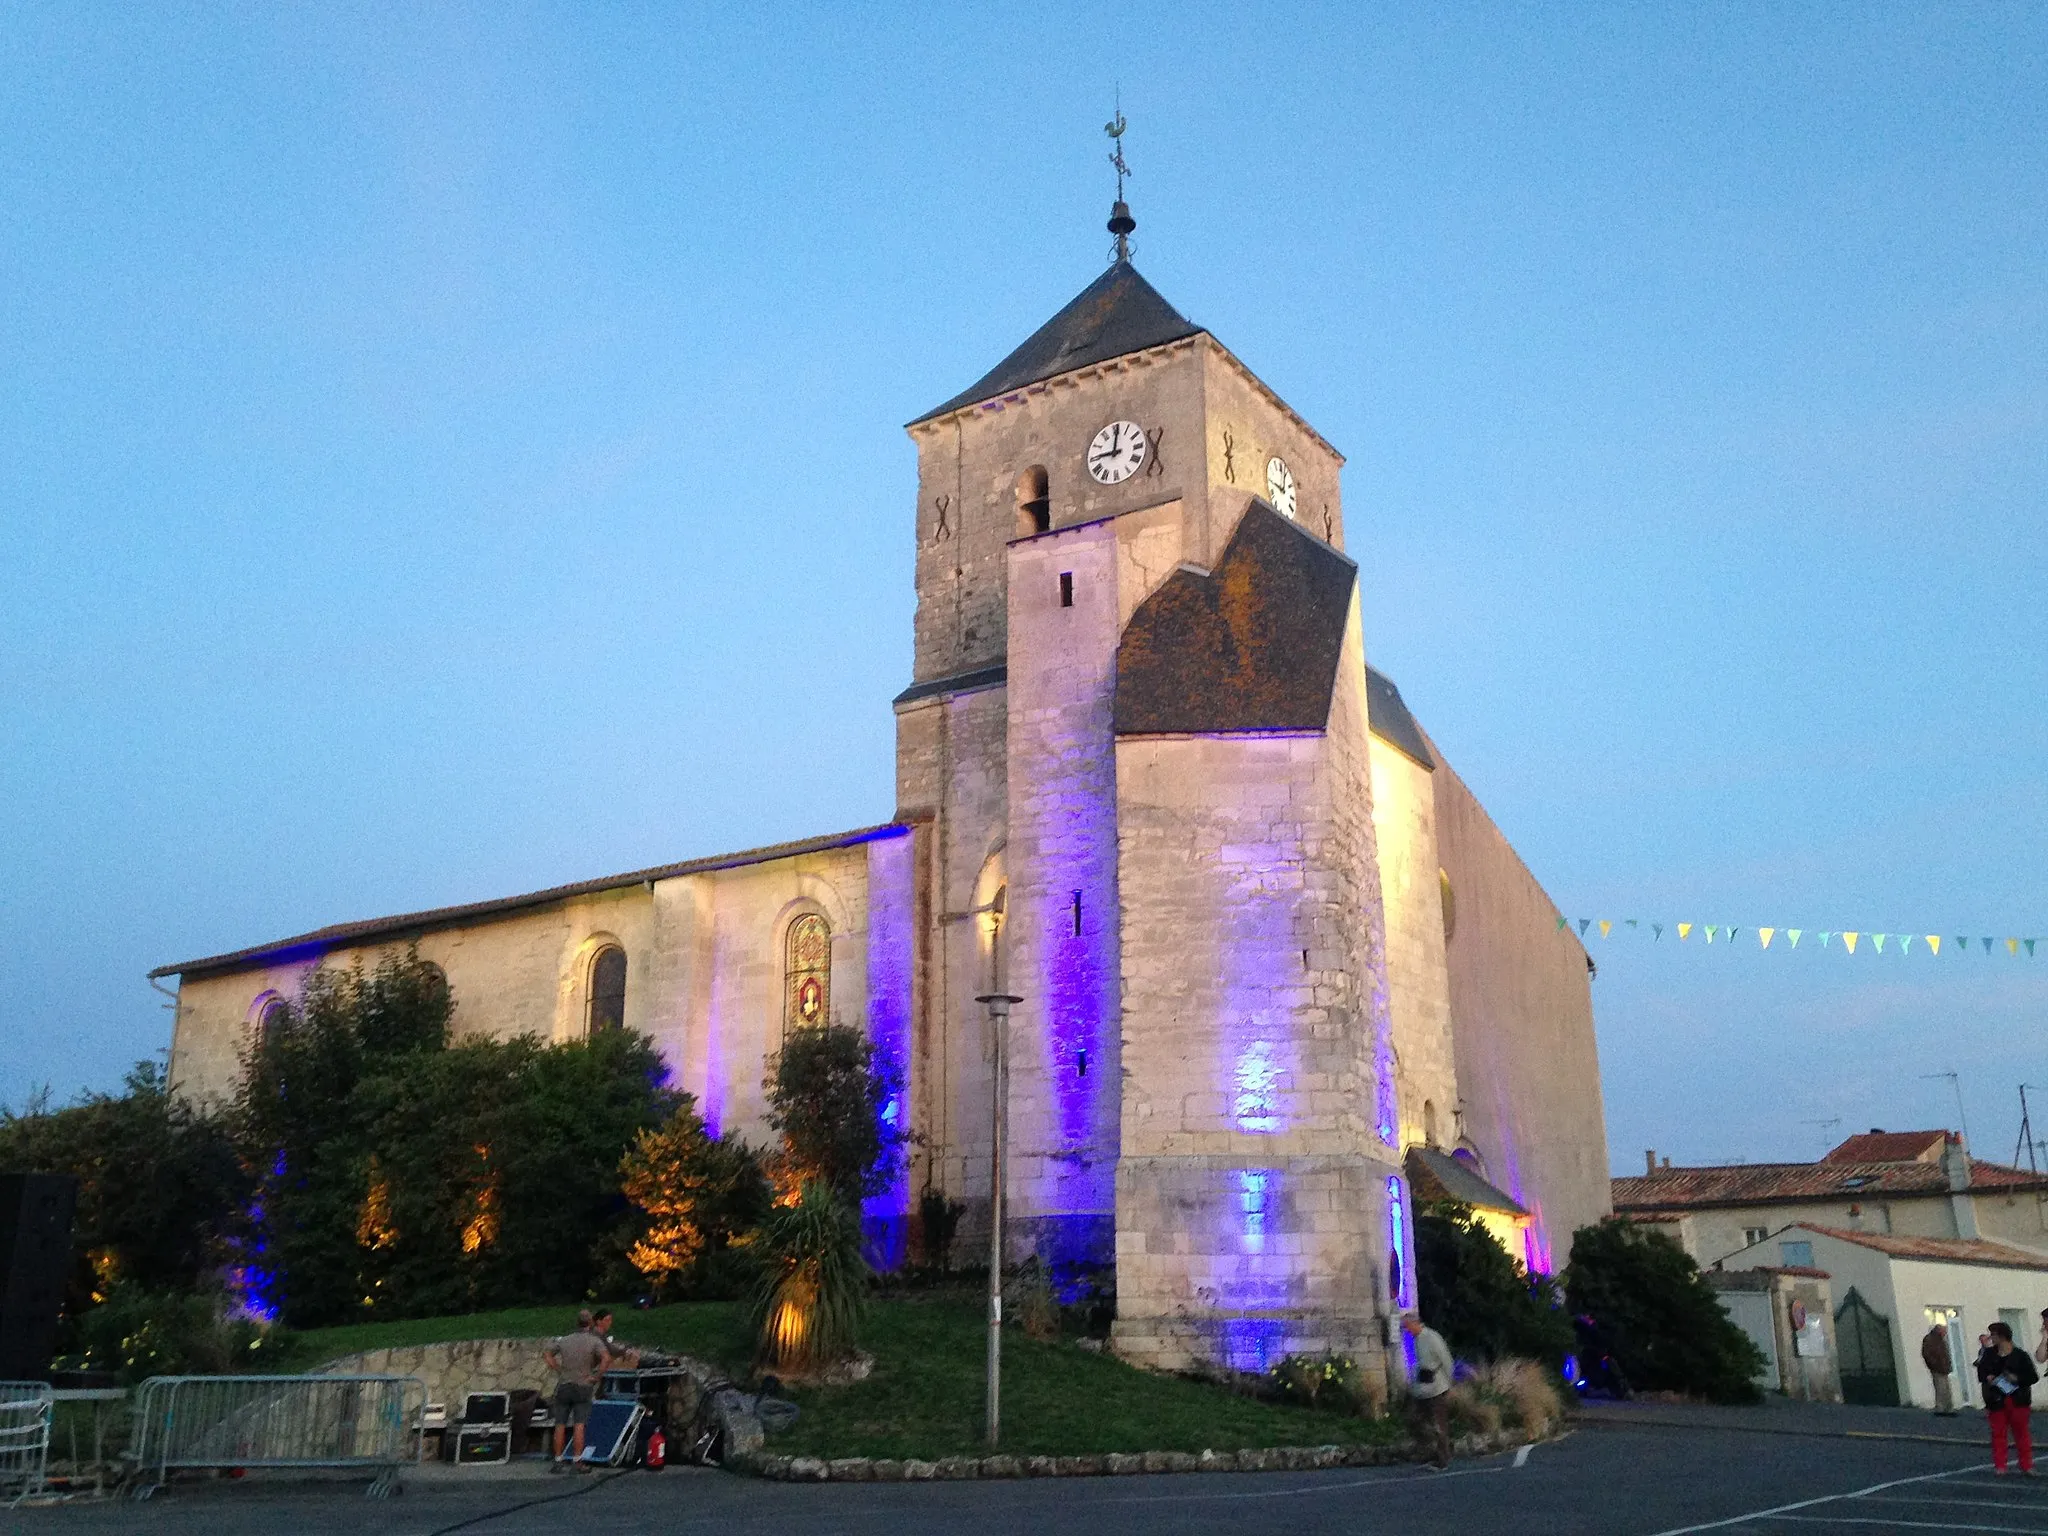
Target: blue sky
pixel 446 451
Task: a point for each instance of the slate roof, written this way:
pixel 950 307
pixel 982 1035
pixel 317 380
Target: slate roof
pixel 1391 721
pixel 1117 314
pixel 1434 1175
pixel 1250 646
pixel 1683 1189
pixel 1875 1146
pixel 1939 1250
pixel 412 924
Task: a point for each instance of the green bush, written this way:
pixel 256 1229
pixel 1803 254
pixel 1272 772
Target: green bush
pixel 1472 1292
pixel 400 1176
pixel 826 1092
pixel 696 1193
pixel 1664 1325
pixel 139 1333
pixel 160 1189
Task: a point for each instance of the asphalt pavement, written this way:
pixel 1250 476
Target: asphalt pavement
pixel 1631 1471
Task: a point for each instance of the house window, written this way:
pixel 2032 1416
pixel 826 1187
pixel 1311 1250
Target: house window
pixel 608 989
pixel 807 973
pixel 1797 1255
pixel 1751 1236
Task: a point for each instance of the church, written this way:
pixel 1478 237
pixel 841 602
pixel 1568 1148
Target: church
pixel 1280 976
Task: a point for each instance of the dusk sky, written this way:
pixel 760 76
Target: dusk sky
pixel 448 451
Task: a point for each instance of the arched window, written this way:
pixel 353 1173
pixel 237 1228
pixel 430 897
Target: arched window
pixel 1428 1123
pixel 269 1014
pixel 807 973
pixel 1034 502
pixel 608 989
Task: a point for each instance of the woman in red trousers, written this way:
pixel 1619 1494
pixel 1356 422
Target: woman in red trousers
pixel 2008 1376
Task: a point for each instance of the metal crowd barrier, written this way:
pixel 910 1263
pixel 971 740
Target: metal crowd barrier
pixel 25 1412
pixel 370 1423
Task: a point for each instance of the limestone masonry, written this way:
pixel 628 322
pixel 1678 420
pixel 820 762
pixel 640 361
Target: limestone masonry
pixel 1271 949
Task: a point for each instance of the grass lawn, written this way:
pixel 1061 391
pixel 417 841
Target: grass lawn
pixel 925 1396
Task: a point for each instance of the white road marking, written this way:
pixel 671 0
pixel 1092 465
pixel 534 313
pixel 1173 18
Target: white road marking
pixel 1910 1525
pixel 1832 1498
pixel 1393 1479
pixel 1522 1456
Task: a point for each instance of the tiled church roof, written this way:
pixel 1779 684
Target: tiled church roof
pixel 1117 314
pixel 411 924
pixel 1250 646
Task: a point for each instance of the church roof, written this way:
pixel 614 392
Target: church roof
pixel 1250 646
pixel 1391 721
pixel 1434 1175
pixel 407 925
pixel 1117 314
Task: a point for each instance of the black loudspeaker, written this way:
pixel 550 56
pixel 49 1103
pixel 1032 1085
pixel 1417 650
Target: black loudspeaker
pixel 35 1255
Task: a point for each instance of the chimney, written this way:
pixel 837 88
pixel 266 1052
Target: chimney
pixel 1667 1161
pixel 1650 1161
pixel 1955 1163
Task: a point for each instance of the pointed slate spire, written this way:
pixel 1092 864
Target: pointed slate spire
pixel 1117 314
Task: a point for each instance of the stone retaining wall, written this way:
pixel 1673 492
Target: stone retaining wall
pixel 1292 1458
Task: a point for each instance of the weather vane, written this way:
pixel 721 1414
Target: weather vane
pixel 1120 221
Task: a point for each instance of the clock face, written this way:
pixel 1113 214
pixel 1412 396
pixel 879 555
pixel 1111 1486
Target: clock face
pixel 1280 486
pixel 1117 452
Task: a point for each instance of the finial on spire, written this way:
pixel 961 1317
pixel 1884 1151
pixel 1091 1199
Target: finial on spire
pixel 1120 221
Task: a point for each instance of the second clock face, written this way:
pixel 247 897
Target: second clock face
pixel 1117 452
pixel 1280 486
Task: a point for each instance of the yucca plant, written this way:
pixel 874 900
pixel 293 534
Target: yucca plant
pixel 813 1291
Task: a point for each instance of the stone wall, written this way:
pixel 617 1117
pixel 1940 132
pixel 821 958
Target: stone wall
pixel 1252 1194
pixel 1522 1024
pixel 1404 826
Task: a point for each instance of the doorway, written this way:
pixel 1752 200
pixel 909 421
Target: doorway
pixel 1951 1318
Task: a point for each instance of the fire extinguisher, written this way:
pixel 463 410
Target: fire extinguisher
pixel 657 1450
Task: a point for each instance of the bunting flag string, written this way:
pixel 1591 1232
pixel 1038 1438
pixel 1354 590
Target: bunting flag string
pixel 1904 944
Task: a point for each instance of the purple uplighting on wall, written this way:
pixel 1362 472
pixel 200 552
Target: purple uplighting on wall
pixel 1253 1343
pixel 1255 1105
pixel 890 960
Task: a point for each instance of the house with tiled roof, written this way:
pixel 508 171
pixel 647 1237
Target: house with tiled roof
pixel 1904 1184
pixel 1891 1290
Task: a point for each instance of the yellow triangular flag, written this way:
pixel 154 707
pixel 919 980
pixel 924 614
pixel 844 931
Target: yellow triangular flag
pixel 2012 947
pixel 1684 932
pixel 1934 943
pixel 1765 935
pixel 1606 927
pixel 1850 940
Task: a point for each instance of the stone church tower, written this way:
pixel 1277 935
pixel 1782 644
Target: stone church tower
pixel 1278 967
pixel 1137 731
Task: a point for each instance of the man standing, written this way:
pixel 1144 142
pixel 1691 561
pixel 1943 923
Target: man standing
pixel 578 1360
pixel 1431 1385
pixel 2008 1377
pixel 1934 1354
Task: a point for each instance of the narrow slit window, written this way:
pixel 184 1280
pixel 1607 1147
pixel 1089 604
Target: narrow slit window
pixel 1066 589
pixel 1077 914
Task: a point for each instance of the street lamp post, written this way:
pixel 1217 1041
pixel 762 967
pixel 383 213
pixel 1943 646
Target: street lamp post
pixel 999 1020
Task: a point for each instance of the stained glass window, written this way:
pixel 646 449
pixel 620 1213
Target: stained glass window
pixel 807 973
pixel 608 989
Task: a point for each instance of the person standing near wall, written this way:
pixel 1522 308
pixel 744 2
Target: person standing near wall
pixel 2041 1349
pixel 578 1360
pixel 1432 1384
pixel 2008 1375
pixel 1934 1354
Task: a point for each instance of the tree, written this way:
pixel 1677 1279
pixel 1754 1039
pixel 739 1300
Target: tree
pixel 1472 1292
pixel 697 1191
pixel 160 1189
pixel 812 1293
pixel 401 1175
pixel 828 1093
pixel 1660 1319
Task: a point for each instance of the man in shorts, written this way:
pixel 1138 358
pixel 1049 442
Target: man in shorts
pixel 578 1360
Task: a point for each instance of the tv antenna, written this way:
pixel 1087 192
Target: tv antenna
pixel 1955 1082
pixel 1827 1126
pixel 2027 1131
pixel 1120 221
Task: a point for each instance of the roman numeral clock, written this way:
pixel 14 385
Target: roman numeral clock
pixel 1117 453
